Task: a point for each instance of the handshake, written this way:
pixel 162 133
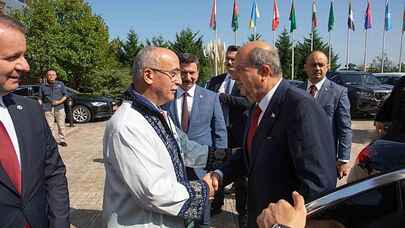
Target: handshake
pixel 213 180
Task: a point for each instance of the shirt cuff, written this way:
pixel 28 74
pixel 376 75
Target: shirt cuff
pixel 220 174
pixel 343 161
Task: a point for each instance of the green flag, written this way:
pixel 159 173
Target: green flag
pixel 293 22
pixel 235 15
pixel 331 21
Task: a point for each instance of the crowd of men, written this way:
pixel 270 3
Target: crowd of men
pixel 172 145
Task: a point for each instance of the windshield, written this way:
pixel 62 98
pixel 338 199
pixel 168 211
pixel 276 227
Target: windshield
pixel 360 79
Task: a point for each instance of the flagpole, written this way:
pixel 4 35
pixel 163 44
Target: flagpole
pixel 400 52
pixel 312 39
pixel 292 56
pixel 274 38
pixel 365 52
pixel 382 53
pixel 236 38
pixel 330 50
pixel 347 48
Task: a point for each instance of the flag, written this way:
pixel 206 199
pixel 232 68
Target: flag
pixel 213 19
pixel 350 19
pixel 293 22
pixel 235 16
pixel 314 20
pixel 387 22
pixel 369 17
pixel 254 15
pixel 331 21
pixel 276 17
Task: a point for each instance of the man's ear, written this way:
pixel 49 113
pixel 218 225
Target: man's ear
pixel 148 76
pixel 265 70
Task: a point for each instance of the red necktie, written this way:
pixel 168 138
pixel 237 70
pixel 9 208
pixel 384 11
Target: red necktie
pixel 184 113
pixel 312 90
pixel 252 127
pixel 8 158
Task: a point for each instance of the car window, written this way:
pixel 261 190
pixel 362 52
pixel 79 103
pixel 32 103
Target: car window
pixel 35 91
pixel 371 80
pixel 367 209
pixel 23 91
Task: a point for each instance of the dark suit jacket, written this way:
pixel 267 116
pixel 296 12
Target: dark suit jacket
pixel 207 125
pixel 233 105
pixel 393 110
pixel 44 201
pixel 291 150
pixel 335 102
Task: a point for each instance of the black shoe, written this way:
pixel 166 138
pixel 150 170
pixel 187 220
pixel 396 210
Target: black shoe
pixel 63 144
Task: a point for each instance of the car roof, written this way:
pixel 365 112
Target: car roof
pixel 352 189
pixel 390 74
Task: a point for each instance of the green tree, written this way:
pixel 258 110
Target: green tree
pixel 389 65
pixel 116 49
pixel 131 47
pixel 284 46
pixel 303 49
pixel 64 35
pixel 188 41
pixel 158 41
pixel 255 36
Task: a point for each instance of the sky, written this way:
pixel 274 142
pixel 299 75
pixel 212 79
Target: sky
pixel 167 17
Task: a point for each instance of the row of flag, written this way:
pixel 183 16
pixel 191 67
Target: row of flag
pixel 255 14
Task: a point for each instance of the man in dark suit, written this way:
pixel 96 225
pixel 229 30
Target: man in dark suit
pixel 233 105
pixel 33 185
pixel 335 102
pixel 288 143
pixel 393 111
pixel 197 111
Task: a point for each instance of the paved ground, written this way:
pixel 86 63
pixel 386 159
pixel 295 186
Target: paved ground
pixel 85 172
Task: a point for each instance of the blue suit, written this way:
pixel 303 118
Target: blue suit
pixel 335 102
pixel 292 149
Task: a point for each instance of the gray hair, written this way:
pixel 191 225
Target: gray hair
pixel 10 22
pixel 260 56
pixel 145 58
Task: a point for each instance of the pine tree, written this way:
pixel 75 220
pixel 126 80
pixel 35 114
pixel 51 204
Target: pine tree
pixel 158 41
pixel 284 45
pixel 256 36
pixel 131 47
pixel 188 41
pixel 303 49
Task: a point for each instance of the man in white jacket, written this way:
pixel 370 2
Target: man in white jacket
pixel 145 156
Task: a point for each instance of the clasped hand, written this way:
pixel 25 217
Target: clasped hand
pixel 212 179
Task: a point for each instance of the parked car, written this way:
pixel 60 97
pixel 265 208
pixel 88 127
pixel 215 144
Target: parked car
pixel 388 78
pixel 377 201
pixel 366 93
pixel 85 107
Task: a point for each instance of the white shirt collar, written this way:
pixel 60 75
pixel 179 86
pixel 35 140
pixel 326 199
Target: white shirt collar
pixel 1 102
pixel 317 85
pixel 190 92
pixel 264 102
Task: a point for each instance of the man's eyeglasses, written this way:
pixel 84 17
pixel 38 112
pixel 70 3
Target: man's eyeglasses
pixel 172 74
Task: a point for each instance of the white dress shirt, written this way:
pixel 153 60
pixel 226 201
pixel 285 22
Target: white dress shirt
pixel 265 101
pixel 228 79
pixel 317 85
pixel 179 101
pixel 5 118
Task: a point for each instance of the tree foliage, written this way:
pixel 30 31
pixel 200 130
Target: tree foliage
pixel 188 41
pixel 284 46
pixel 64 35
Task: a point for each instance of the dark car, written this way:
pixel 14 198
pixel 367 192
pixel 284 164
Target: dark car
pixel 366 93
pixel 376 201
pixel 388 78
pixel 296 83
pixel 85 107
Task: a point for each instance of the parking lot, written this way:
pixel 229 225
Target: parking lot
pixel 85 173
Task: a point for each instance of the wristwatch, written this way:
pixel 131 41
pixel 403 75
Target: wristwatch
pixel 279 226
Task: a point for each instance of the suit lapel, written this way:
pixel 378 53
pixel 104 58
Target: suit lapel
pixel 267 122
pixel 323 92
pixel 196 106
pixel 173 110
pixel 17 114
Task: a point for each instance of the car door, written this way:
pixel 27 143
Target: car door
pixel 366 204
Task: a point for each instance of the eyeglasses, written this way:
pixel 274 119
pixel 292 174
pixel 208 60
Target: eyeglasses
pixel 172 74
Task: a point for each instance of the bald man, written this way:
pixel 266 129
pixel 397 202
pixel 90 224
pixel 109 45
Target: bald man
pixel 146 184
pixel 335 102
pixel 288 145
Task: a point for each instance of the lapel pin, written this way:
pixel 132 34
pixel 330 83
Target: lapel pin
pixel 273 115
pixel 19 107
pixel 201 96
